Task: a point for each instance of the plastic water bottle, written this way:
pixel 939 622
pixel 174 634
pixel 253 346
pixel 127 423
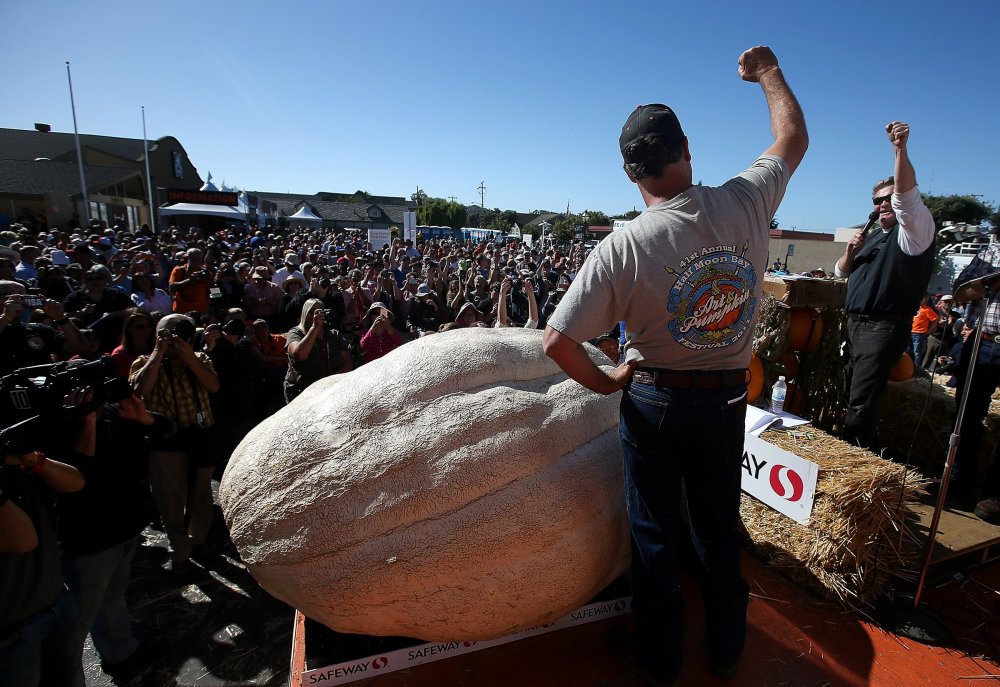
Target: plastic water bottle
pixel 778 392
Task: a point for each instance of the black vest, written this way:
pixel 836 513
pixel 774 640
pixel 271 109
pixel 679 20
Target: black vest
pixel 885 281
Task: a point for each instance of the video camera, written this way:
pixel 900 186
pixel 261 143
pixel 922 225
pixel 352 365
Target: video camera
pixel 32 398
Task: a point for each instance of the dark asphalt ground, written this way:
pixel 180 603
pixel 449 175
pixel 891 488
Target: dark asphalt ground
pixel 211 625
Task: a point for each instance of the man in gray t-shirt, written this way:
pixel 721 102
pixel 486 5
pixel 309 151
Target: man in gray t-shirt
pixel 685 277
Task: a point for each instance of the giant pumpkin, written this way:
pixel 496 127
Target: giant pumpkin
pixel 460 488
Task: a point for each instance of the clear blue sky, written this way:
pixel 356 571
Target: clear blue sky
pixel 526 96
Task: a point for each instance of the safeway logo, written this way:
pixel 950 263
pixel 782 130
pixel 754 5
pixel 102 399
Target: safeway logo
pixel 620 605
pixel 379 663
pixel 786 483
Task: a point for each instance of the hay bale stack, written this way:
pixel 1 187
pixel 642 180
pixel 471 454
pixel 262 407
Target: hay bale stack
pixel 856 537
pixel 916 419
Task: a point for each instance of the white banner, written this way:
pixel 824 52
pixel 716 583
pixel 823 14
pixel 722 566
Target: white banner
pixel 782 480
pixel 529 240
pixel 379 238
pixel 410 226
pixel 379 664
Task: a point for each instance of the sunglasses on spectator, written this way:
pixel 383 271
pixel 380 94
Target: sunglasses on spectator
pixel 878 200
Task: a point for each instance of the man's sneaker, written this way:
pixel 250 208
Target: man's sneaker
pixel 988 510
pixel 623 643
pixel 724 669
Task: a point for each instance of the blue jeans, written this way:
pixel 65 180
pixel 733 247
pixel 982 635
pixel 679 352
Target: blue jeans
pixel 918 349
pixel 692 438
pixel 98 582
pixel 43 651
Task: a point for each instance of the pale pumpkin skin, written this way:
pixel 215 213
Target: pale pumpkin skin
pixel 459 488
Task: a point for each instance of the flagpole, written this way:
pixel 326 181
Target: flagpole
pixel 149 179
pixel 79 153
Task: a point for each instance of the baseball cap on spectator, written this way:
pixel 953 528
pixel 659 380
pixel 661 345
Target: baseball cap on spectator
pixel 59 257
pixel 650 119
pixel 292 259
pixel 260 272
pixel 947 298
pixel 376 305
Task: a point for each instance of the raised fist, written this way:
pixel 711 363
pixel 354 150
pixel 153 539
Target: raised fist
pixel 756 62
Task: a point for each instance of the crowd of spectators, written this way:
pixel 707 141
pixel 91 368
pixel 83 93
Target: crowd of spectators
pixel 212 332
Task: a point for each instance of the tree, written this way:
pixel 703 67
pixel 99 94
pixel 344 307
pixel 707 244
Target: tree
pixel 439 212
pixel 968 209
pixel 596 218
pixel 419 197
pixel 630 215
pixel 563 230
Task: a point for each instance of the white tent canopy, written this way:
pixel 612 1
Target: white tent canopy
pixel 304 214
pixel 209 210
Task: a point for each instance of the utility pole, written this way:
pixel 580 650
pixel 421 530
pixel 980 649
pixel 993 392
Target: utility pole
pixel 482 194
pixel 452 198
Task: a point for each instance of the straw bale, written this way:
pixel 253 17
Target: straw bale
pixel 916 418
pixel 857 535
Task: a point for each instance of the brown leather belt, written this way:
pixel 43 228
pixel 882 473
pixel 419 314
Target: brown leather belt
pixel 690 379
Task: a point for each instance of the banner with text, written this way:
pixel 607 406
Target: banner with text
pixel 378 238
pixel 379 664
pixel 782 480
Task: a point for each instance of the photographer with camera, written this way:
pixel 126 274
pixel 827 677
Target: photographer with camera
pixel 190 283
pixel 99 526
pixel 28 343
pixel 315 350
pixel 99 307
pixel 38 619
pixel 381 337
pixel 324 289
pixel 176 381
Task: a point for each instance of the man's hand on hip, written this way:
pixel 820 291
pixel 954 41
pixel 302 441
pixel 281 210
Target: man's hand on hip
pixel 756 62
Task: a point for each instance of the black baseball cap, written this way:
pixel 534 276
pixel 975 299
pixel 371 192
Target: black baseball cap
pixel 650 119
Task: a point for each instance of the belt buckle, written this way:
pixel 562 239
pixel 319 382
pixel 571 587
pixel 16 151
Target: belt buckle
pixel 995 338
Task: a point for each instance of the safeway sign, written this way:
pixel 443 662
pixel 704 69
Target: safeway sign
pixel 782 480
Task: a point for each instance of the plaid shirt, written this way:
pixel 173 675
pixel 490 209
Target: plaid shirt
pixel 174 393
pixel 986 262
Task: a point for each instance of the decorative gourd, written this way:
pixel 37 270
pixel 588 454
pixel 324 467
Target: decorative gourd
pixel 805 329
pixel 790 362
pixel 903 369
pixel 459 488
pixel 755 378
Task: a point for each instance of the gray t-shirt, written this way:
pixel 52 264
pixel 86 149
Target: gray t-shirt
pixel 685 276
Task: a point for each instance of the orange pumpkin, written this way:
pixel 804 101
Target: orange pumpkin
pixel 755 378
pixel 902 370
pixel 790 362
pixel 804 330
pixel 795 400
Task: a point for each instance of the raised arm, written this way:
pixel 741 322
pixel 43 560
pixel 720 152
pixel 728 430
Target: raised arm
pixel 788 125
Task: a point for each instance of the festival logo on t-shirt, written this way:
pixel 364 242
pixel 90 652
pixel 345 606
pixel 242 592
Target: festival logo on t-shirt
pixel 712 300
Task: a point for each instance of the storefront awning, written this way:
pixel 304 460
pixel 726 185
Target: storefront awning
pixel 205 210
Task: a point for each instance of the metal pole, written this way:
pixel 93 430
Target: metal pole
pixel 953 442
pixel 79 153
pixel 149 179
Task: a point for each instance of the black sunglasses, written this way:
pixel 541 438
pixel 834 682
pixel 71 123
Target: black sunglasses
pixel 881 199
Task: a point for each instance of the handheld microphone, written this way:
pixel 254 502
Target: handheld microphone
pixel 872 218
